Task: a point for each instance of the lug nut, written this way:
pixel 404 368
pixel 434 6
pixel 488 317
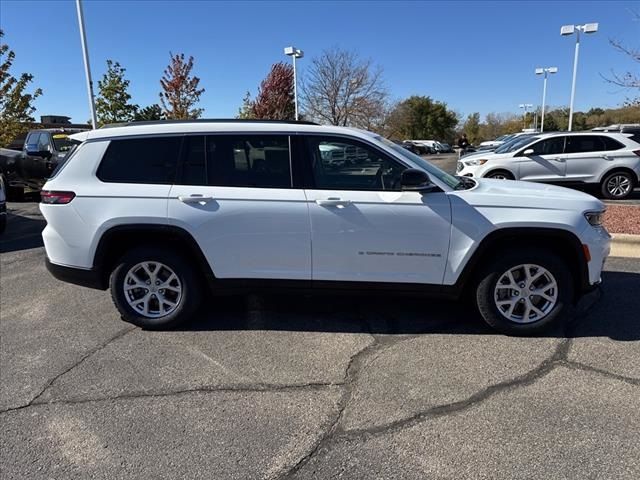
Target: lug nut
pixel 522 300
pixel 522 285
pixel 148 282
pixel 157 282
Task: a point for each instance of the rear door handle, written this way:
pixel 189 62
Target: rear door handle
pixel 558 159
pixel 333 202
pixel 195 198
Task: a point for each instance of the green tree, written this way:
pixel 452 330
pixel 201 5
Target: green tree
pixel 152 112
pixel 180 92
pixel 421 118
pixel 246 110
pixel 112 102
pixel 16 106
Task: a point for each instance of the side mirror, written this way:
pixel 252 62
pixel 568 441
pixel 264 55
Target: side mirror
pixel 527 152
pixel 34 152
pixel 414 180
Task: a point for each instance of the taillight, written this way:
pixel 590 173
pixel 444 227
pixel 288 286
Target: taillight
pixel 56 198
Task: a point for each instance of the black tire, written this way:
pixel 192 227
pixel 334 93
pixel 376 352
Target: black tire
pixel 188 302
pixel 501 175
pixel 492 273
pixel 13 194
pixel 609 183
pixel 3 223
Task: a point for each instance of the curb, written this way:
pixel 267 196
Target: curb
pixel 625 245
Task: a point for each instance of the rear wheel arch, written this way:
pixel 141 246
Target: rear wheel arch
pixel 118 240
pixel 563 243
pixel 634 175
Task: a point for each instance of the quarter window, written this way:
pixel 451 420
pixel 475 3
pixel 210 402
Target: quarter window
pixel 345 164
pixel 261 161
pixel 611 144
pixel 140 160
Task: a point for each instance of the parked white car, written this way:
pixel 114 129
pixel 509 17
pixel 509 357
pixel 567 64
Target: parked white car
pixel 157 212
pixel 609 160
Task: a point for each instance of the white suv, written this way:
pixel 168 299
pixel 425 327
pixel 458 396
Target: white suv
pixel 163 212
pixel 609 160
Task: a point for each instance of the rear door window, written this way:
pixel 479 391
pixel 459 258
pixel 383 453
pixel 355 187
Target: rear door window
pixel 141 160
pixel 584 144
pixel 259 161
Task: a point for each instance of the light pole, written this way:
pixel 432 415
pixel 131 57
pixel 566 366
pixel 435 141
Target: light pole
pixel 525 106
pixel 570 30
pixel 294 53
pixel 546 71
pixel 87 70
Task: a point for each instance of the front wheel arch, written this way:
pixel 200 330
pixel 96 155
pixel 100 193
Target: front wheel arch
pixel 499 171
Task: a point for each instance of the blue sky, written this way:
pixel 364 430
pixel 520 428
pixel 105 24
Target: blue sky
pixel 475 56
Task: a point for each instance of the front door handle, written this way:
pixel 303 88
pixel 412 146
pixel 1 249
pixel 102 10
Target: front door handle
pixel 559 159
pixel 195 198
pixel 333 202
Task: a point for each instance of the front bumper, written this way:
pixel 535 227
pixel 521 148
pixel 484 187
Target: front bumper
pixel 599 242
pixel 78 276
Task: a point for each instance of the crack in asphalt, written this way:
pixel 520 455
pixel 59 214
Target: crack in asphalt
pixel 334 433
pixel 588 368
pixel 351 375
pixel 121 333
pixel 241 388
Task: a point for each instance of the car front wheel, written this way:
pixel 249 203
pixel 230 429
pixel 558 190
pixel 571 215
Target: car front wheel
pixel 154 288
pixel 525 293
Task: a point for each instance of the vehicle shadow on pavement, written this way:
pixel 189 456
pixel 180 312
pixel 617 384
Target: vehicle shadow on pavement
pixel 613 315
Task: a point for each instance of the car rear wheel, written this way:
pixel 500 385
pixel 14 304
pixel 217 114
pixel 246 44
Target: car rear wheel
pixel 617 185
pixel 524 293
pixel 154 288
pixel 501 175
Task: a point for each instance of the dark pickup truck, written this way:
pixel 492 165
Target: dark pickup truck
pixel 41 153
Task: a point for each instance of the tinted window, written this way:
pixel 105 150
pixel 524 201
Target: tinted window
pixel 237 161
pixel 140 160
pixel 584 144
pixel 611 144
pixel 32 140
pixel 43 142
pixel 550 146
pixel 344 164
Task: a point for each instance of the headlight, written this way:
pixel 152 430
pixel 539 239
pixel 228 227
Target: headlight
pixel 594 218
pixel 475 163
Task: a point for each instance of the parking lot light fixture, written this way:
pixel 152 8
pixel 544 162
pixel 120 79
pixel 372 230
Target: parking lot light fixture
pixel 525 107
pixel 566 30
pixel 294 53
pixel 544 71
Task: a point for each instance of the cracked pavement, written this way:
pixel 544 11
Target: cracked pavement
pixel 275 387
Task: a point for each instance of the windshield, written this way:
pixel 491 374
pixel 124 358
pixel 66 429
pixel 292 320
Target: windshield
pixel 428 167
pixel 62 143
pixel 515 144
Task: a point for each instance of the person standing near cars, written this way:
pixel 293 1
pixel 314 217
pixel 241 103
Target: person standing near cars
pixel 463 143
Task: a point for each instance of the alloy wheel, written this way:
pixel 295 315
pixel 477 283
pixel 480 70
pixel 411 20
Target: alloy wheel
pixel 152 289
pixel 526 293
pixel 618 185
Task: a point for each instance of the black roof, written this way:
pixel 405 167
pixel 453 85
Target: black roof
pixel 206 120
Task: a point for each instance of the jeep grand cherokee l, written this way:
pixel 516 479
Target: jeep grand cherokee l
pixel 161 213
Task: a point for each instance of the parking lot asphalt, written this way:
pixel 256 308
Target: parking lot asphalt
pixel 308 387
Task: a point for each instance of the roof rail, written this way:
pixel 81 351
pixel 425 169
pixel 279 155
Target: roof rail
pixel 205 120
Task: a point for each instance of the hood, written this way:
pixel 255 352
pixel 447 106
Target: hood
pixel 515 194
